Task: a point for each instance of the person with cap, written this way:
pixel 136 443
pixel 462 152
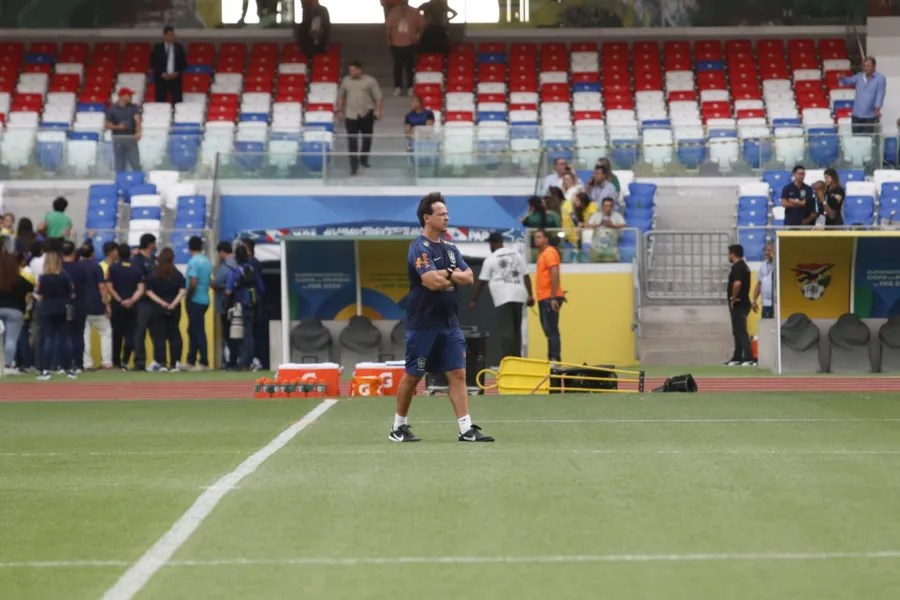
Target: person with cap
pixel 123 119
pixel 506 273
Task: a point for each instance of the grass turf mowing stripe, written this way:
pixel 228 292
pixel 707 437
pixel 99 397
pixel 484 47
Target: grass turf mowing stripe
pixel 162 551
pixel 478 560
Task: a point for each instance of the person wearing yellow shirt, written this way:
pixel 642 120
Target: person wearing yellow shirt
pixel 8 224
pixel 575 215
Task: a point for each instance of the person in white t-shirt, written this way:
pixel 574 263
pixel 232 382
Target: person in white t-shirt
pixel 606 224
pixel 764 286
pixel 506 273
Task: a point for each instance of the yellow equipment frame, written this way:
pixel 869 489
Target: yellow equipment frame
pixel 533 376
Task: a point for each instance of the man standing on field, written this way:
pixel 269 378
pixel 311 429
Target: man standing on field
pixel 434 341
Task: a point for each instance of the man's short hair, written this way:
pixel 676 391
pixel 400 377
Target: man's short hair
pixel 87 251
pixel 52 245
pixel 68 248
pixel 249 244
pixel 560 158
pixel 109 247
pixel 737 250
pixel 195 244
pixel 224 247
pixel 607 199
pixel 168 29
pixel 872 58
pixel 147 240
pixel 60 204
pixel 602 169
pixel 356 63
pixel 495 238
pixel 124 251
pixel 426 205
pixel 798 168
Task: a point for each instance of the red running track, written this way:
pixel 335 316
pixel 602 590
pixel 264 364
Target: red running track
pixel 232 390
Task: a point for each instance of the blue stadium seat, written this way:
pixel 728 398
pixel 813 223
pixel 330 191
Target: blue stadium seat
pixel 103 194
pixel 492 153
pixel 644 224
pixel 638 214
pixel 710 65
pixel 627 246
pixel 491 116
pixel 101 238
pixel 191 203
pixel 199 69
pixel 195 220
pixel 90 107
pixel 426 153
pixel 50 155
pixel 183 151
pixel 839 104
pixel 851 175
pixel 89 136
pixel 889 207
pixel 822 145
pixel 39 59
pixel 639 201
pixel 754 243
pixel 691 153
pixel 889 189
pixel 45 125
pixel 891 151
pixel 757 151
pixel 859 210
pixel 625 153
pixel 146 212
pixel 746 203
pixel 642 189
pixel 786 123
pixel 492 57
pixel 586 87
pixel 556 149
pixel 256 117
pixel 100 218
pixel 182 252
pixel 142 189
pixel 655 124
pixel 753 218
pixel 249 155
pixel 776 180
pixel 524 130
pixel 315 155
pixel 125 180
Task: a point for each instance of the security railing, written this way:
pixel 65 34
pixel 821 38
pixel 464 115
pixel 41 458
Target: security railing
pixel 175 238
pixel 461 154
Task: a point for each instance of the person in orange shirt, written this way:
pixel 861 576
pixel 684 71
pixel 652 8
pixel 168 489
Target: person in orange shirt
pixel 549 294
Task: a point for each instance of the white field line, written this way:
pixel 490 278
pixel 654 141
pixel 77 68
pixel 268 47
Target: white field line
pixel 162 551
pixel 478 560
pixel 414 422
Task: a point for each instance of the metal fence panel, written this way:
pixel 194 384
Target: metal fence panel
pixel 688 266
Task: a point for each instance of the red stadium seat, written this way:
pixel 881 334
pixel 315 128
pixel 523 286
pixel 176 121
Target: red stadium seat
pixel 462 48
pixel 491 47
pixel 804 62
pixel 588 116
pixel 201 53
pixel 751 113
pixel 832 79
pixel 195 83
pixel 708 50
pixel 741 89
pixel 585 78
pixel 843 113
pixel 37 68
pixel 523 49
pixel 460 85
pixel 773 46
pixel 614 49
pixel 43 48
pixel 319 108
pixel 619 101
pixel 513 107
pixel 677 47
pixel 548 95
pixel 432 102
pixel 459 117
pixel 427 89
pixel 220 99
pixel 296 96
pixel 495 98
pixel 111 49
pixel 738 47
pixel 291 53
pixel 584 46
pixel 683 96
pixel 645 47
pixel 74 52
pixel 64 82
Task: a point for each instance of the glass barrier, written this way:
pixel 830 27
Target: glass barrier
pixel 177 239
pixel 451 154
pixel 601 240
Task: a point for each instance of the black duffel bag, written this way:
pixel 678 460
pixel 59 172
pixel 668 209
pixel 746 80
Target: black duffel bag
pixel 573 379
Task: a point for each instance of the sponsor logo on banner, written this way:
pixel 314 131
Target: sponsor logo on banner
pixel 815 276
pixel 454 234
pixel 876 284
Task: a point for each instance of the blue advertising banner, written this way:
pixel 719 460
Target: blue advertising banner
pixel 876 279
pixel 322 278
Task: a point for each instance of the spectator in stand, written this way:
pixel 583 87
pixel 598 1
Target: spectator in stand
pixel 168 61
pixel 266 11
pixel 436 37
pixel 261 321
pixel 26 236
pixel 739 305
pixel 126 286
pixel 555 179
pixel 199 276
pixel 575 215
pixel 764 286
pixel 599 187
pixel 24 347
pixel 507 276
pixel 798 201
pixel 8 224
pixel 403 27
pixel 145 262
pixel 97 310
pixel 56 223
pixel 78 274
pixel 604 162
pixel 571 186
pixel 870 88
pixel 607 225
pixel 832 205
pixel 418 116
pixel 554 200
pixel 123 119
pixel 538 217
pixel 14 291
pixel 359 100
pixel 56 294
pixel 227 264
pixel 314 30
pixel 166 290
pixel 549 293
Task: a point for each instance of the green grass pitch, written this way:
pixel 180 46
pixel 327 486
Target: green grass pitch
pixel 709 496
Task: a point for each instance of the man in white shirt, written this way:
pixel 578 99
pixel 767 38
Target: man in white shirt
pixel 507 276
pixel 764 286
pixel 606 224
pixel 554 179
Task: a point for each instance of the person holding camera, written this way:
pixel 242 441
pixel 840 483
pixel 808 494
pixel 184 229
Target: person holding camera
pixel 243 288
pixel 599 187
pixel 166 287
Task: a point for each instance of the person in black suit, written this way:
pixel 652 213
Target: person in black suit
pixel 168 62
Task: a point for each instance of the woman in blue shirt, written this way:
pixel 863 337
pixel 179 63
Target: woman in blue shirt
pixel 166 288
pixel 56 292
pixel 418 116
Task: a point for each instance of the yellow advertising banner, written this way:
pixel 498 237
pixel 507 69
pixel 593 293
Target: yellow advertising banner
pixel 815 276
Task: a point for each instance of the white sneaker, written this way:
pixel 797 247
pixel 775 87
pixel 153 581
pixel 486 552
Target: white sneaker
pixel 45 376
pixel 749 363
pixel 9 371
pixel 733 363
pixel 72 374
pixel 154 367
pixel 397 92
pixel 178 367
pixel 199 368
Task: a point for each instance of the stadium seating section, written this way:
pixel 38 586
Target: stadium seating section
pixel 727 103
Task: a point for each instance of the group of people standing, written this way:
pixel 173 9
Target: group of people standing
pixel 55 295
